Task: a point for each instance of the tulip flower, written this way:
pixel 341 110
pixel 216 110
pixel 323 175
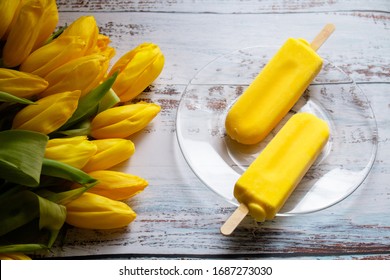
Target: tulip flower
pixel 34 24
pixel 8 10
pixel 110 152
pixel 48 113
pixel 137 70
pixel 77 40
pixel 21 84
pixel 51 56
pixel 75 151
pixel 83 73
pixel 85 27
pixel 103 42
pixel 123 121
pixel 14 256
pixel 115 184
pixel 92 211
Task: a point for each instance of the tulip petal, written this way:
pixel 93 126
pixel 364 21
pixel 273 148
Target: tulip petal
pixel 49 113
pixel 123 121
pixel 51 56
pixel 93 211
pixel 117 185
pixel 83 73
pixel 110 152
pixel 137 68
pixel 8 10
pixel 20 83
pixel 74 151
pixel 88 104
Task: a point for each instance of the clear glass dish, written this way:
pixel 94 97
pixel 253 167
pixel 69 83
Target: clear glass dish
pixel 219 161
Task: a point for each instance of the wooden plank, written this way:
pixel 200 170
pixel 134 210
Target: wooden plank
pixel 226 6
pixel 177 215
pixel 188 47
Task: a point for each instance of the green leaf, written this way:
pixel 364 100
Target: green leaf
pixel 56 34
pixel 21 156
pixel 7 97
pixel 62 170
pixel 88 104
pixel 22 248
pixel 17 209
pixel 108 101
pixel 82 128
pixel 20 208
pixel 52 217
pixel 65 197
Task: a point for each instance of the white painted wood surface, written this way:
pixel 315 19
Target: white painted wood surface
pixel 177 215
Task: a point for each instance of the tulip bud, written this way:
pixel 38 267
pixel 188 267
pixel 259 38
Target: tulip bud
pixel 85 27
pixel 102 42
pixel 109 153
pixel 93 211
pixel 75 151
pixel 8 10
pixel 123 121
pixel 21 84
pixel 116 185
pixel 83 73
pixel 14 256
pixel 35 22
pixel 51 56
pixel 137 70
pixel 48 113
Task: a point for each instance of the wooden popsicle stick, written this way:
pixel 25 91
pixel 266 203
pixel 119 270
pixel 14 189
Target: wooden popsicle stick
pixel 235 219
pixel 322 36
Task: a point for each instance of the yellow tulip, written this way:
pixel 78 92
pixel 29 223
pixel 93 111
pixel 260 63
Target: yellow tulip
pixel 137 70
pixel 103 42
pixel 102 46
pixel 8 10
pixel 49 113
pixel 48 22
pixel 83 73
pixel 14 256
pixel 34 24
pixel 110 152
pixel 51 56
pixel 123 121
pixel 85 27
pixel 116 185
pixel 75 151
pixel 21 84
pixel 78 39
pixel 92 211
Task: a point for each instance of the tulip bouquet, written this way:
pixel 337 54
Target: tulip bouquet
pixel 65 120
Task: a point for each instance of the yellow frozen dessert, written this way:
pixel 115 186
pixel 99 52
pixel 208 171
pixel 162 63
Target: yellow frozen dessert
pixel 275 90
pixel 270 179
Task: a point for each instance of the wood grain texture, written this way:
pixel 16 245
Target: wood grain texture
pixel 221 7
pixel 178 217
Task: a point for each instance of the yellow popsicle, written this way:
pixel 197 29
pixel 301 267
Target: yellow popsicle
pixel 265 186
pixel 276 89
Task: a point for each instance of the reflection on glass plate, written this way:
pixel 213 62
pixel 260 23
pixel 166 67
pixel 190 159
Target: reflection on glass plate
pixel 219 161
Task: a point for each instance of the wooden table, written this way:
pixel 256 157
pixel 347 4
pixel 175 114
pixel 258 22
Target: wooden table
pixel 178 216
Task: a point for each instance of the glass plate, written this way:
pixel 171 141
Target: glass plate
pixel 218 161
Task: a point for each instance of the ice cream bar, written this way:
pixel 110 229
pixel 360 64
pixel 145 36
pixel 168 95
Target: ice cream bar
pixel 275 90
pixel 270 179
